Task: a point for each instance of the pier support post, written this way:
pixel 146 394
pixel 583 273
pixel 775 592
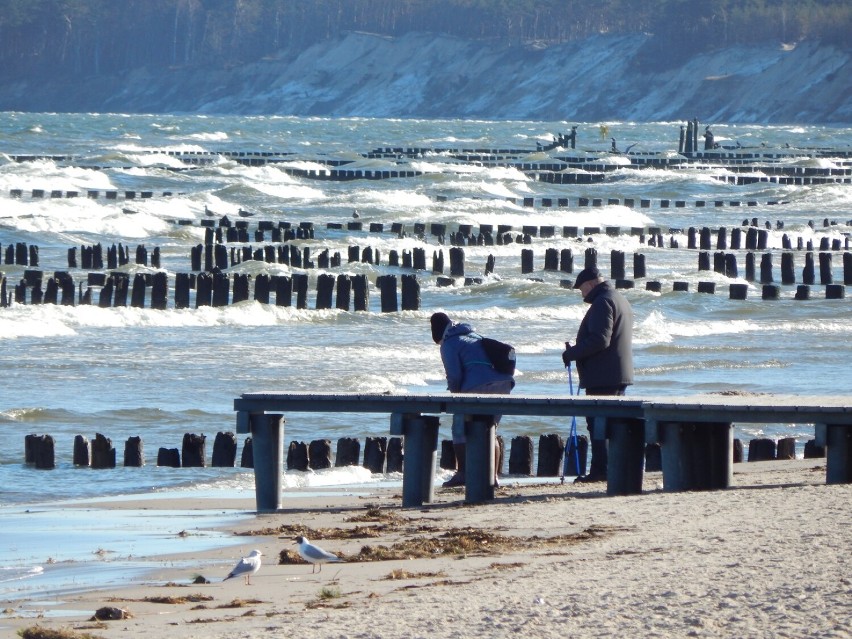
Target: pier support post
pixel 626 454
pixel 837 440
pixel 420 434
pixel 480 432
pixel 696 456
pixel 267 436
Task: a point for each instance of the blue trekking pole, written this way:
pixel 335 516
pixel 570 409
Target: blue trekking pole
pixel 572 438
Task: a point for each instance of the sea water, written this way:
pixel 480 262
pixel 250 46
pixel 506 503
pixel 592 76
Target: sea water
pixel 124 372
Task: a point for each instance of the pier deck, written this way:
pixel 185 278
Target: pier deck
pixel 695 434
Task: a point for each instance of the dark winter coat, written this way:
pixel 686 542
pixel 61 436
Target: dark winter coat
pixel 604 347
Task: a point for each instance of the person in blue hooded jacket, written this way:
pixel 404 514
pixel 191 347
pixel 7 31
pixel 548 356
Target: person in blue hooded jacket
pixel 468 370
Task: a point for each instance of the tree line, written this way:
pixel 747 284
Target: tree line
pixel 95 37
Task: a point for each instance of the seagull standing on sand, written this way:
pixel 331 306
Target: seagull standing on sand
pixel 314 554
pixel 246 566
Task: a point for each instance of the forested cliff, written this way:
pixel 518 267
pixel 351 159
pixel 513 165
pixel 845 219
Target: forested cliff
pixel 753 60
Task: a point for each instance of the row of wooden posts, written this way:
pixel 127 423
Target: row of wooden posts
pixel 527 202
pixel 381 454
pixel 224 230
pixel 217 288
pixel 212 253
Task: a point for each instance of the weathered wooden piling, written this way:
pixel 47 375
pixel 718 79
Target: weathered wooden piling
pixel 247 456
pixel 738 451
pixel 550 448
pixel 348 452
pixel 387 285
pixel 283 287
pixel 169 457
pixel 325 291
pixel 707 287
pixel 262 288
pixel 134 452
pixel 809 272
pixel 566 261
pixel 137 295
pixel 224 450
pixel 241 288
pixel 457 262
pixel 82 451
pixel 737 291
pixel 221 289
pixel 749 267
pixel 786 448
pixel 638 266
pixel 813 451
pixel 375 452
pixel 770 292
pixel 410 292
pixel 803 292
pixel 761 449
pixel 418 258
pixel 437 262
pixel 395 455
pixel 591 257
pixel 39 450
pixel 193 450
pixel 344 292
pixel 617 265
pixel 297 456
pixel 103 452
pixel 835 292
pixel 159 291
pixel 521 455
pixel 300 286
pixel 551 259
pixel 361 292
pixel 825 276
pixel 788 270
pixel 319 454
pixel 766 269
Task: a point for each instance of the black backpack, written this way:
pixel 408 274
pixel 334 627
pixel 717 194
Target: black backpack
pixel 500 354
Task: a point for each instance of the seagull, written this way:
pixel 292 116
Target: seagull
pixel 314 554
pixel 246 566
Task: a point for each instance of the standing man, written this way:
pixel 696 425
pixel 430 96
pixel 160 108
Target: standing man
pixel 603 351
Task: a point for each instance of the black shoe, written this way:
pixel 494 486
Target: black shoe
pixel 455 480
pixel 588 479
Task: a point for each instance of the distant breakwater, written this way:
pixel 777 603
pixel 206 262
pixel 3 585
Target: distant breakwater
pixel 749 165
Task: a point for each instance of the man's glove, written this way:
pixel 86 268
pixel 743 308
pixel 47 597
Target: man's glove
pixel 565 359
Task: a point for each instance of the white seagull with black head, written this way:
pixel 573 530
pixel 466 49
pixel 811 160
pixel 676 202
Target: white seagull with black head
pixel 247 566
pixel 314 554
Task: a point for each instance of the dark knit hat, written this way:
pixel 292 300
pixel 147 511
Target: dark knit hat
pixel 587 275
pixel 439 322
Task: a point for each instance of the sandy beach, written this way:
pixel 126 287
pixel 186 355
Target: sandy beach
pixel 769 557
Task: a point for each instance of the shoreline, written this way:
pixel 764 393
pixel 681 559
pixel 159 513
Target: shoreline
pixel 769 556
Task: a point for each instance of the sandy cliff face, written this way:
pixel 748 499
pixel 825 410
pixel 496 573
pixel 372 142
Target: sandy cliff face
pixel 427 75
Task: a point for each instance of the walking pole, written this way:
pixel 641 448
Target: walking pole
pixel 572 438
